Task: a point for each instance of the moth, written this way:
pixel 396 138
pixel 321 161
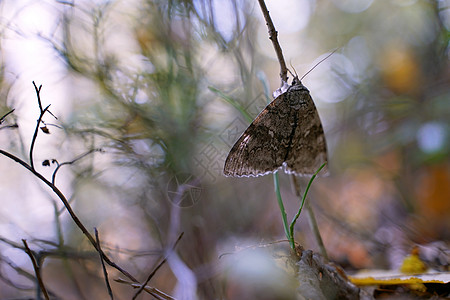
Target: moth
pixel 287 132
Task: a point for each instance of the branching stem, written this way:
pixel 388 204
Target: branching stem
pixel 273 36
pixel 37 270
pixel 70 211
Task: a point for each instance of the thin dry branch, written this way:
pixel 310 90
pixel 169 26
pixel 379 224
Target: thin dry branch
pixel 311 218
pixel 273 36
pixel 41 115
pixel 37 269
pixel 95 242
pixel 30 167
pixel 144 285
pixel 59 165
pixel 39 121
pixel 69 210
pixel 105 272
pixel 157 294
pixel 2 119
pixel 38 94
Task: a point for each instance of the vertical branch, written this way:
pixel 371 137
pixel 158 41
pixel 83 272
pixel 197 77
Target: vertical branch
pixel 36 269
pixel 105 273
pixel 142 287
pixel 273 36
pixel 38 94
pixel 311 215
pixel 41 114
pixel 33 140
pixel 315 229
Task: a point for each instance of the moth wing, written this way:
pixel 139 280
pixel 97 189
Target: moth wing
pixel 263 147
pixel 308 150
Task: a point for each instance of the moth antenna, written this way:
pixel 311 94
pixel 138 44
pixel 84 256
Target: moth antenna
pixel 293 75
pixel 318 63
pixel 291 72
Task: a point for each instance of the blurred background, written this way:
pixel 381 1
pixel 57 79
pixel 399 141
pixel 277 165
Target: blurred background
pixel 155 84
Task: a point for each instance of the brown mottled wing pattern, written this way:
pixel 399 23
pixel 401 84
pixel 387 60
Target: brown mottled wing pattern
pixel 308 150
pixel 288 131
pixel 262 148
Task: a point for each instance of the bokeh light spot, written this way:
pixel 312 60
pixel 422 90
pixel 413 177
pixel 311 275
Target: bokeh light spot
pixel 431 137
pixel 289 15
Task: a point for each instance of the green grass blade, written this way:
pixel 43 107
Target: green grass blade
pixel 294 220
pixel 282 210
pixel 233 102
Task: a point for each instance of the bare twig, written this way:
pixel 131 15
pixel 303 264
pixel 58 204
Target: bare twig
pixel 95 242
pixel 5 279
pixel 69 210
pixel 9 126
pixel 311 218
pixel 13 266
pixel 273 36
pixel 157 294
pixel 36 269
pixel 315 228
pixel 41 114
pixel 2 119
pixel 30 167
pixel 156 269
pixel 72 162
pixel 38 94
pixel 39 121
pixel 105 272
pixel 36 130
